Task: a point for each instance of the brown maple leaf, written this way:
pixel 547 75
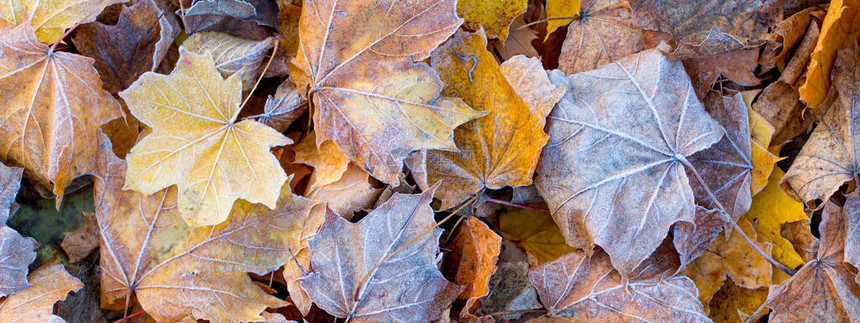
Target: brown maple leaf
pixel 502 148
pixel 284 107
pixel 824 289
pixel 52 106
pixel 51 283
pixel 136 44
pixel 588 288
pixel 16 252
pixel 177 272
pixel 710 27
pixel 383 267
pixel 377 124
pixel 613 172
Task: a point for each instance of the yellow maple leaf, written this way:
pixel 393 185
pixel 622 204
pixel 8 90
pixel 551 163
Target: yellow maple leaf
pixel 197 143
pixel 770 209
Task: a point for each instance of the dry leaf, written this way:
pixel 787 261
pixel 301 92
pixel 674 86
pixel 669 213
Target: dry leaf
pixel 502 148
pixel 770 209
pixel 495 16
pixel 383 267
pixel 732 302
pixel 352 192
pixel 53 105
pixel 823 290
pixel 519 41
pixel 762 159
pixel 738 66
pixel 839 30
pixel 829 159
pixel 16 252
pixel 801 238
pixel 618 139
pixel 536 232
pixel 788 33
pixel 197 143
pixel 557 10
pixel 51 284
pixel 81 243
pixel 710 27
pixel 733 259
pixel 50 18
pixel 262 12
pixel 589 289
pixel 136 44
pixel 285 107
pixel 231 54
pixel 177 272
pixel 328 161
pixel 377 124
pixel 474 251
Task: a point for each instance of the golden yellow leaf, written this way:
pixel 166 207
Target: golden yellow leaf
pixel 50 18
pixel 176 272
pixel 839 30
pixel 232 54
pixel 762 159
pixel 328 161
pixel 536 232
pixel 558 12
pixel 51 283
pixel 52 106
pixel 369 95
pixel 770 209
pixel 494 15
pixel 501 149
pixel 730 258
pixel 731 299
pixel 197 143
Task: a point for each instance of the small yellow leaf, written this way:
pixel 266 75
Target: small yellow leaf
pixel 536 232
pixel 762 160
pixel 556 13
pixel 770 209
pixel 328 161
pixel 494 15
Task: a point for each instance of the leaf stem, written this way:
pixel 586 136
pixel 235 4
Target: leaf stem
pixel 65 34
pixel 734 225
pixel 492 200
pixel 128 317
pixel 571 18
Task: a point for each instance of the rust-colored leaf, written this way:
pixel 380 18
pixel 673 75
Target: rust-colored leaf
pixel 383 267
pixel 377 124
pixel 612 172
pixel 51 284
pixel 475 250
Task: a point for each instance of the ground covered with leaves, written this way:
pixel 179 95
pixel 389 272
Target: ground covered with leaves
pixel 418 161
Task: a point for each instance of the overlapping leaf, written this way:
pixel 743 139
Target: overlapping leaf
pixel 177 272
pixel 231 54
pixel 49 19
pixel 377 124
pixel 839 30
pixel 198 144
pixel 495 16
pixel 51 283
pixel 612 172
pixel 51 107
pixel 16 252
pixel 382 268
pixel 502 148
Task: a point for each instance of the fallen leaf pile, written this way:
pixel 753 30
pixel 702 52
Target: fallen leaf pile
pixel 429 161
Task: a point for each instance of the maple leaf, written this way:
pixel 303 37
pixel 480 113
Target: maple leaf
pixel 829 157
pixel 52 106
pixel 711 27
pixel 824 289
pixel 136 44
pixel 16 252
pixel 50 18
pixel 197 143
pixel 590 289
pixel 502 148
pixel 495 16
pixel 231 54
pixel 839 30
pixel 618 139
pixel 603 33
pixel 51 283
pixel 177 272
pixel 377 124
pixel 729 258
pixel 383 267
